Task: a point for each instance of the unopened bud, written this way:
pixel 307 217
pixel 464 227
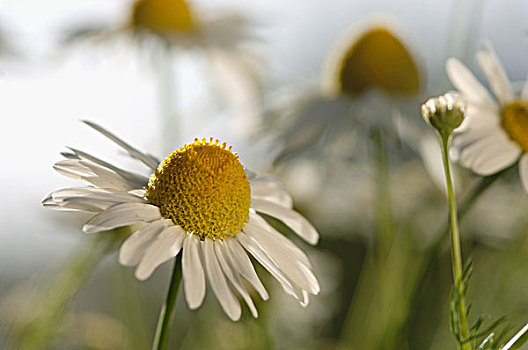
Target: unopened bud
pixel 445 113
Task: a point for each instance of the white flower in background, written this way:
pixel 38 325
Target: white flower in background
pixel 494 134
pixel 225 41
pixel 369 77
pixel 199 202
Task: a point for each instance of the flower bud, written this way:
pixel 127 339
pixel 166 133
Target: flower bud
pixel 445 113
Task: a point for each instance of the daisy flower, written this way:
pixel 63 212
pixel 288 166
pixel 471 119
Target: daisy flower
pixel 369 75
pixel 199 202
pixel 175 22
pixel 494 134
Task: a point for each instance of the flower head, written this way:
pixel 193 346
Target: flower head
pixel 494 134
pixel 163 17
pixel 199 202
pixel 373 58
pixel 445 113
pixel 369 77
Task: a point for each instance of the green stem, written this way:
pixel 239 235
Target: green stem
pixel 170 124
pixel 384 219
pixel 165 320
pixel 456 253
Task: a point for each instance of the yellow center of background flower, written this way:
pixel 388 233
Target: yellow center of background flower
pixel 203 188
pixel 162 16
pixel 514 120
pixel 378 60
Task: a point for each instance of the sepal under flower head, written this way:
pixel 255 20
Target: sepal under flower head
pixel 445 113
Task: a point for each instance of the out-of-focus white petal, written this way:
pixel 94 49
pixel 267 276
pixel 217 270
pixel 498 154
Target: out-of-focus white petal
pixel 497 78
pixel 122 215
pixel 291 218
pixel 467 84
pixel 523 171
pixel 218 283
pixel 490 153
pixel 193 271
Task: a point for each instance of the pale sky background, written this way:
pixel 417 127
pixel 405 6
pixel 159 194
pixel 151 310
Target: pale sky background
pixel 45 91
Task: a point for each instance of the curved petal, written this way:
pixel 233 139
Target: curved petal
pixel 492 68
pixel 193 271
pixel 88 199
pixel 280 238
pixel 94 174
pixel 291 218
pixel 489 154
pixel 523 171
pixel 296 271
pixel 243 266
pixel 146 159
pixel 462 78
pixel 218 283
pixel 165 247
pixel 256 251
pixel 138 180
pixel 135 246
pixel 229 271
pixel 122 215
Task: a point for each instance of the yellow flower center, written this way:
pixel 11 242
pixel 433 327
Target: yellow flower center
pixel 203 188
pixel 162 16
pixel 514 120
pixel 377 60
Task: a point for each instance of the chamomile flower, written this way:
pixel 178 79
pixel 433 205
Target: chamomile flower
pixel 369 77
pixel 199 202
pixel 494 134
pixel 176 23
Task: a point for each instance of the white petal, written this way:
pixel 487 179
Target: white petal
pixel 280 238
pixel 297 272
pixel 135 246
pixel 489 154
pixel 88 199
pixel 523 171
pixel 146 159
pixel 222 255
pixel 467 84
pixel 243 266
pixel 524 93
pixel 291 218
pixel 271 189
pixel 253 247
pixel 92 173
pixel 138 180
pixel 122 215
pixel 165 247
pixel 492 68
pixel 218 283
pixel 193 271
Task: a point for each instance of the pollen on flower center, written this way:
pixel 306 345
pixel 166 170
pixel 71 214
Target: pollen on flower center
pixel 514 120
pixel 203 188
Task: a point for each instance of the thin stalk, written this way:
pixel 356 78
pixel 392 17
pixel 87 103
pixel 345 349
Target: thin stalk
pixel 384 218
pixel 456 253
pixel 170 124
pixel 165 320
